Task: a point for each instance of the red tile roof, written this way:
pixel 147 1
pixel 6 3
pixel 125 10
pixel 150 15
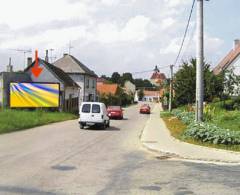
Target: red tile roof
pixel 151 93
pixel 227 60
pixel 103 88
pixel 158 75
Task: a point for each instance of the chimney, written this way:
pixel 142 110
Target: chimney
pixel 46 57
pixel 9 66
pixel 236 43
pixel 29 61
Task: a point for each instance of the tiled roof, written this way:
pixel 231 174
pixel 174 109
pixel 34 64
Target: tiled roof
pixel 57 72
pixel 107 88
pixel 158 75
pixel 227 60
pixel 151 93
pixel 70 64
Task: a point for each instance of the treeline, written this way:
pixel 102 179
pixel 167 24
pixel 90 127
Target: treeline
pixel 121 79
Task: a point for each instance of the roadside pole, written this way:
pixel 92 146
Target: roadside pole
pixel 199 65
pixel 171 89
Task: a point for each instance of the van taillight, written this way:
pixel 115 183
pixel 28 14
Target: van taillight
pixel 102 116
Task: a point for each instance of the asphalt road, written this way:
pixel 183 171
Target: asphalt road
pixel 62 159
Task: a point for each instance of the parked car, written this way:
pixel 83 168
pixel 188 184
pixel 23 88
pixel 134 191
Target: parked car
pixel 115 112
pixel 145 109
pixel 93 113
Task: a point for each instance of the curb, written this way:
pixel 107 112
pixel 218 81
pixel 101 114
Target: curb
pixel 172 155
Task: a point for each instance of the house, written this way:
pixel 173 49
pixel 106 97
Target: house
pixel 157 78
pixel 5 79
pixel 81 74
pixel 106 89
pixel 230 61
pixel 151 96
pixel 69 90
pixel 130 88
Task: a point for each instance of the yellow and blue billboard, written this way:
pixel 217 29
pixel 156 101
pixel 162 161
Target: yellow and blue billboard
pixel 34 95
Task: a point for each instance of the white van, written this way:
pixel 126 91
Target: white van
pixel 93 113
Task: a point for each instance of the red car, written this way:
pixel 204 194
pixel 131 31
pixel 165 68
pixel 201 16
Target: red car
pixel 145 109
pixel 115 112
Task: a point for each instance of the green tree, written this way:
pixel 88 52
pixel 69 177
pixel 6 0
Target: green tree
pixel 115 77
pixel 185 83
pixel 140 94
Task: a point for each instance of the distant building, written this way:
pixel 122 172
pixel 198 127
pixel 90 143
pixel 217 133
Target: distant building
pixel 101 80
pixel 81 74
pixel 106 89
pixel 129 87
pixel 153 96
pixel 157 78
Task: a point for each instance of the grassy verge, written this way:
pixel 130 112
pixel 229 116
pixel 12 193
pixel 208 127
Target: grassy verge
pixel 15 120
pixel 177 128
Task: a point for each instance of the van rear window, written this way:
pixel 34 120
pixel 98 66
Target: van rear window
pixel 95 108
pixel 86 108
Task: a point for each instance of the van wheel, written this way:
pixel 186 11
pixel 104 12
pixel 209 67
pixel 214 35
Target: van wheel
pixel 81 126
pixel 104 126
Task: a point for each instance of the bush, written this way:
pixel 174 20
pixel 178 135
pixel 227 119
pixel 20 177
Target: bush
pixel 210 133
pixel 207 132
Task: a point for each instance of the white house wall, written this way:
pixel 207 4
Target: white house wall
pixel 85 90
pixel 236 66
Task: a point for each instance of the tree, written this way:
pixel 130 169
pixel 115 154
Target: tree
pixel 115 77
pixel 127 77
pixel 185 83
pixel 140 94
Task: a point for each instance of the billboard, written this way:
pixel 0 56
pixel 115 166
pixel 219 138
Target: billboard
pixel 34 95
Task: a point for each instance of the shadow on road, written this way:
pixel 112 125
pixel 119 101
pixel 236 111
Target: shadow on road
pixel 22 190
pixel 96 128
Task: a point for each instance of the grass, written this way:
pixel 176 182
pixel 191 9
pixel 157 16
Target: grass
pixel 15 120
pixel 177 128
pixel 227 119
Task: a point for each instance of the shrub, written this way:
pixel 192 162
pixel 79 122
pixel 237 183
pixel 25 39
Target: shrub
pixel 207 132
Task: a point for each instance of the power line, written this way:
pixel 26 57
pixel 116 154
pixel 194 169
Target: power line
pixel 185 33
pixel 146 71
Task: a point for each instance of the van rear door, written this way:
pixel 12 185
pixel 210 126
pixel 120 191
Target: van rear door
pixel 85 112
pixel 97 113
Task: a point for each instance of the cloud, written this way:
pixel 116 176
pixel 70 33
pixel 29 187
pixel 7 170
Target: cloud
pixel 107 35
pixel 135 29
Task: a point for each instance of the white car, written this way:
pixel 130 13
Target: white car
pixel 93 113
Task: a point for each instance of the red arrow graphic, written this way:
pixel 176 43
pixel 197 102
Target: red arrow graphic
pixel 36 69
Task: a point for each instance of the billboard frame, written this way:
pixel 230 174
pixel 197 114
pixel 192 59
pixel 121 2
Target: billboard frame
pixel 9 87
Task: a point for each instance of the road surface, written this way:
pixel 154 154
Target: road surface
pixel 62 159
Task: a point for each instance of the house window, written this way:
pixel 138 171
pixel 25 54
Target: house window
pixel 87 85
pixel 93 84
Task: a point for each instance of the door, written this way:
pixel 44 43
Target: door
pixel 97 113
pixel 85 113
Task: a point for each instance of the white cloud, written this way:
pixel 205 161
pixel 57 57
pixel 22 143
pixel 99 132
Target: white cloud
pixel 134 30
pixel 126 34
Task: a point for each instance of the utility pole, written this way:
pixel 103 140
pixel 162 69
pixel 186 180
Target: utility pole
pixel 199 66
pixel 171 89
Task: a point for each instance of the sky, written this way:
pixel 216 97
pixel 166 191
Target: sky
pixel 114 35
